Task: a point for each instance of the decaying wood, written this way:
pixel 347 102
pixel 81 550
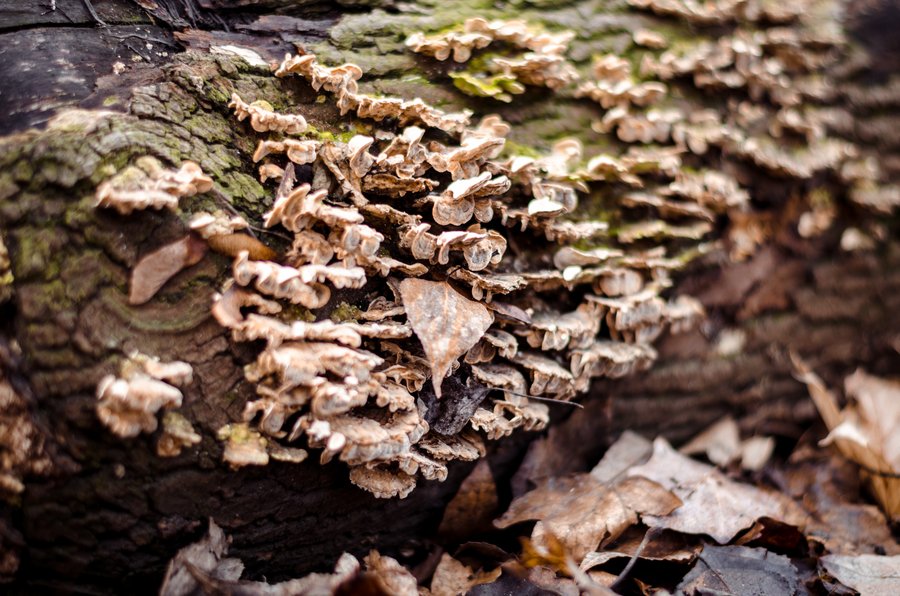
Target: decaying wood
pixel 107 514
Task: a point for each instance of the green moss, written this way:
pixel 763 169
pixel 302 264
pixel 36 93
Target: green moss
pixel 345 312
pixel 36 252
pixel 295 312
pixel 513 149
pixel 85 274
pixel 55 359
pixel 243 189
pixel 500 86
pixel 43 300
pixel 8 188
pixel 210 128
pixel 216 95
pixel 23 172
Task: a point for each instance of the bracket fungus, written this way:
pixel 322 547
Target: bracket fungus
pixel 431 266
pixel 381 218
pixel 540 62
pixel 148 185
pixel 128 403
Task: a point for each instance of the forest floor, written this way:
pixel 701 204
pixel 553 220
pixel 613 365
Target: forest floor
pixel 721 515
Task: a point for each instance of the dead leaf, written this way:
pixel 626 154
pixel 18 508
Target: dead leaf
pixel 740 571
pixel 713 504
pixel 445 322
pixel 864 432
pixel 630 450
pixel 205 556
pixel 161 265
pixel 452 577
pixel 474 505
pixel 569 447
pixel 870 575
pixel 665 546
pixel 756 453
pixel 507 584
pixel 878 402
pixel 773 534
pixel 583 512
pixel 544 560
pixel 449 416
pixel 390 575
pixel 721 443
pixel 547 579
pixel 827 485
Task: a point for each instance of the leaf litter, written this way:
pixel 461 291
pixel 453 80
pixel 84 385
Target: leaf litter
pixel 646 518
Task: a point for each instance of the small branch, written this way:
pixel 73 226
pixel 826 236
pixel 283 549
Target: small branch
pixel 90 9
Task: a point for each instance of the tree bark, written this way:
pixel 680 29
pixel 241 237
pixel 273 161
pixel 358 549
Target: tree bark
pixel 109 513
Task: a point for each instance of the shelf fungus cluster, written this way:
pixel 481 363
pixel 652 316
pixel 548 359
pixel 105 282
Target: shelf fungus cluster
pixel 128 403
pixel 434 295
pixel 436 288
pixel 537 57
pixel 779 121
pixel 149 185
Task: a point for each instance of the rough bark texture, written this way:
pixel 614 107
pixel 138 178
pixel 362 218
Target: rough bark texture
pixel 111 513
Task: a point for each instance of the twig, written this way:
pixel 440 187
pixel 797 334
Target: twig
pixel 93 13
pixel 650 533
pixel 541 398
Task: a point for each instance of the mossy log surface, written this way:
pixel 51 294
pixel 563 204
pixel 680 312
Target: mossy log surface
pixel 112 513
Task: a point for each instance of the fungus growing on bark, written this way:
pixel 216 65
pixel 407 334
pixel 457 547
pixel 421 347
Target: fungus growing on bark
pixel 22 442
pixel 128 404
pixel 177 434
pixel 342 81
pixel 148 185
pixel 386 208
pixel 541 62
pixel 613 85
pixel 264 119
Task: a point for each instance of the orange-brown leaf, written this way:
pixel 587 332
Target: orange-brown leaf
pixel 233 244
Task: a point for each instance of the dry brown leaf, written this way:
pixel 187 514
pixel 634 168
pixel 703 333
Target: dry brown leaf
pixel 390 575
pixel 828 486
pixel 721 443
pixel 570 446
pixel 878 402
pixel 664 546
pixel 158 267
pixel 864 432
pixel 582 512
pixel 446 323
pixel 474 505
pixel 630 450
pixel 870 575
pixel 713 504
pixel 452 577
